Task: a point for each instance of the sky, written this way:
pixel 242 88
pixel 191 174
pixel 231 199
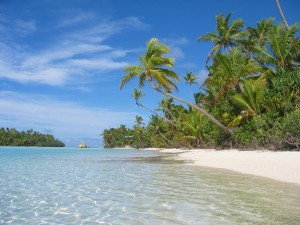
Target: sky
pixel 61 61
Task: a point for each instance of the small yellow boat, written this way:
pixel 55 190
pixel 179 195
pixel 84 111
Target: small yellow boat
pixel 82 145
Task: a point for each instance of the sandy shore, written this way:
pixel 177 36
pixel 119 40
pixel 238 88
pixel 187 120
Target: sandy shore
pixel 281 166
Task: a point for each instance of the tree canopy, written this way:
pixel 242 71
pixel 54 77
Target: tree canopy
pixel 251 97
pixel 13 137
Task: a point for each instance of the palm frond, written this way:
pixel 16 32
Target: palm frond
pixel 209 37
pixel 169 73
pixel 242 102
pixel 162 80
pixel 137 69
pixel 161 61
pixel 128 77
pixel 142 79
pixel 236 121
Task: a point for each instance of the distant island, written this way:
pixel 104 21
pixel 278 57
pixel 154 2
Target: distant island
pixel 13 137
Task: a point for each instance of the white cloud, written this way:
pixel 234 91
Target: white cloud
pixel 132 21
pixel 75 20
pixel 99 64
pixel 202 75
pixel 176 53
pixel 67 119
pixel 61 53
pixel 175 46
pixel 72 58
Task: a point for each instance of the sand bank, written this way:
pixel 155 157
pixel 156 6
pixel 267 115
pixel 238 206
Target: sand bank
pixel 281 166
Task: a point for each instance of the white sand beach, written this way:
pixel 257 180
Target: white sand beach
pixel 281 166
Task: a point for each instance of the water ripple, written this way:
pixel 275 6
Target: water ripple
pixel 105 187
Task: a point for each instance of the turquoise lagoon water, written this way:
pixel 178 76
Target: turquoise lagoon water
pixel 71 186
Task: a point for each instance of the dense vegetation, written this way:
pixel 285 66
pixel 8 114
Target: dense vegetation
pixel 12 137
pixel 250 99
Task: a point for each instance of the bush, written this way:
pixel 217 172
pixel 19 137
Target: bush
pixel 270 131
pixel 257 133
pixel 288 131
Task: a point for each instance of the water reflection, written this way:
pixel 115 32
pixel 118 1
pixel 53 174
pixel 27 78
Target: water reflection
pixel 136 188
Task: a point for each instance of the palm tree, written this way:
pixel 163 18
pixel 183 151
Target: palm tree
pixel 166 105
pixel 199 98
pixel 256 37
pixel 283 49
pixel 140 130
pixel 153 68
pixel 138 120
pixel 260 33
pixel 229 70
pixel 159 127
pixel 190 79
pixel 281 14
pixel 192 126
pixel 137 128
pixel 249 99
pixel 226 36
pixel 137 94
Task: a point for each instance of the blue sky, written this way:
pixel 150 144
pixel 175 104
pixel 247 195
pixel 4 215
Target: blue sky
pixel 61 61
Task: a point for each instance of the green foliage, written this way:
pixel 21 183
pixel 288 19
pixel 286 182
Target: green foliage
pixel 253 85
pixel 153 67
pixel 289 131
pixel 269 130
pixel 255 133
pixel 117 137
pixel 283 92
pixel 12 137
pixel 227 34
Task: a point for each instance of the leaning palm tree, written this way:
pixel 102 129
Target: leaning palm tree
pixel 137 94
pixel 153 68
pixel 226 36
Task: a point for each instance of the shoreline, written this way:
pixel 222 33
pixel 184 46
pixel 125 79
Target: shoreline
pixel 282 166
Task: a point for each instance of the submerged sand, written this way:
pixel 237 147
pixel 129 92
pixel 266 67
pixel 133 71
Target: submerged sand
pixel 281 166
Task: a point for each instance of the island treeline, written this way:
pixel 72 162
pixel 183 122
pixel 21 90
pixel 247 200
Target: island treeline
pixel 13 137
pixel 250 99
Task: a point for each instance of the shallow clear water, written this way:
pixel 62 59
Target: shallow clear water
pixel 70 186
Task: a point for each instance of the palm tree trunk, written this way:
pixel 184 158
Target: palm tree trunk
pixel 169 112
pixel 198 108
pixel 165 119
pixel 151 137
pixel 164 137
pixel 281 14
pixel 191 92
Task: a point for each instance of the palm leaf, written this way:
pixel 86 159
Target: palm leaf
pixel 128 78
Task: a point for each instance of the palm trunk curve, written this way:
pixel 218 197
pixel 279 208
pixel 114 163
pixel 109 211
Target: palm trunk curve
pixel 165 119
pixel 198 108
pixel 281 14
